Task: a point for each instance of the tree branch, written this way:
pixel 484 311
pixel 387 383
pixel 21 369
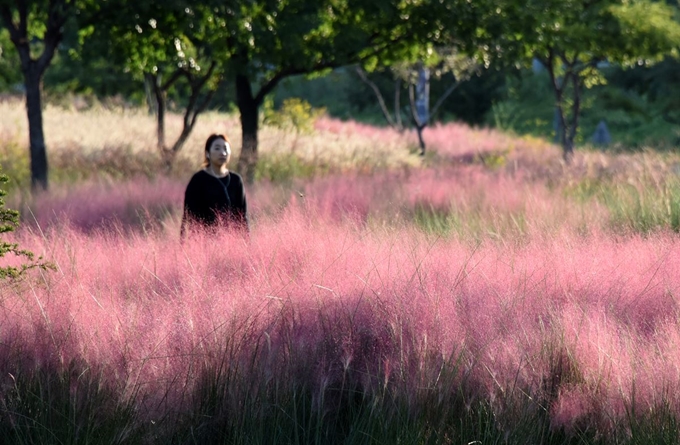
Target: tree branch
pixel 414 112
pixel 322 65
pixel 6 15
pixel 179 72
pixel 443 97
pixel 397 103
pixel 378 94
pixel 193 110
pixel 58 11
pixel 23 21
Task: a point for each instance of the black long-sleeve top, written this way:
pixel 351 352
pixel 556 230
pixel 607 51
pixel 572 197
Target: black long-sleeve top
pixel 209 200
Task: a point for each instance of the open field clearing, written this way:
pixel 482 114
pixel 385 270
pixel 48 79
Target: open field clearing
pixel 486 292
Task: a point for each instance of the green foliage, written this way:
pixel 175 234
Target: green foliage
pixel 294 115
pixel 469 223
pixel 641 206
pixel 15 164
pixel 10 72
pixel 574 39
pixel 281 168
pixel 494 160
pixel 72 405
pixel 629 103
pixel 645 208
pixel 9 220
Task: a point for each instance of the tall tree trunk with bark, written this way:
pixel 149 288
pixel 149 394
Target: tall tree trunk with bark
pixel 33 71
pixel 569 83
pixel 154 80
pixel 248 106
pixel 38 152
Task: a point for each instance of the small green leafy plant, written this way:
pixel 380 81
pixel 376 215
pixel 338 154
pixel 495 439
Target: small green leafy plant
pixel 9 220
pixel 295 116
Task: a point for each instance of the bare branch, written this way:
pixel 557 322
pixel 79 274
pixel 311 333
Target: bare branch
pixel 6 15
pixel 397 103
pixel 381 100
pixel 412 101
pixel 443 97
pixel 179 72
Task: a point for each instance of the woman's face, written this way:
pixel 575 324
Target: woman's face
pixel 220 152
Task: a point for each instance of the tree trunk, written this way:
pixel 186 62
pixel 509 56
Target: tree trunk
pixel 378 95
pixel 33 69
pixel 568 150
pixel 566 141
pixel 150 96
pixel 562 132
pixel 419 114
pixel 39 168
pixel 194 108
pixel 159 105
pixel 248 108
pixel 421 141
pixel 575 113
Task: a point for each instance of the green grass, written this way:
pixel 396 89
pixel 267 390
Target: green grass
pixel 73 406
pixel 281 168
pixel 78 408
pixel 637 207
pixel 471 224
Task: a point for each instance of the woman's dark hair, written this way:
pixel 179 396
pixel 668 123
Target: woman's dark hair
pixel 212 138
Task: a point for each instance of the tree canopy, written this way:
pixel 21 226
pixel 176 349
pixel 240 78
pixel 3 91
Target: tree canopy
pixel 36 28
pixel 574 39
pixel 191 48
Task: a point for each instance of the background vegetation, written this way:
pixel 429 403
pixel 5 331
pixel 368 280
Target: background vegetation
pixel 486 290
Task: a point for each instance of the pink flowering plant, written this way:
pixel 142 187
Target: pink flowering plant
pixel 463 301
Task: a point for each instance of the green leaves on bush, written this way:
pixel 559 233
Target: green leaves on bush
pixel 9 220
pixel 295 115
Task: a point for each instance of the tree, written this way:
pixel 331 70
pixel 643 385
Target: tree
pixel 10 74
pixel 9 220
pixel 162 43
pixel 269 40
pixel 574 39
pixel 36 28
pixel 417 77
pixel 256 44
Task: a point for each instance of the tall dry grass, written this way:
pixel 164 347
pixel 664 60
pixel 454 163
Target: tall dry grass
pixel 121 142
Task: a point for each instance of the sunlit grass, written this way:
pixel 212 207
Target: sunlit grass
pixel 121 142
pixel 322 331
pixel 485 293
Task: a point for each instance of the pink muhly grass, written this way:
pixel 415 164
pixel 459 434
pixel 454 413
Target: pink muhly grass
pixel 573 323
pixel 450 139
pixel 470 201
pixel 473 201
pixel 100 205
pixel 340 127
pixel 460 139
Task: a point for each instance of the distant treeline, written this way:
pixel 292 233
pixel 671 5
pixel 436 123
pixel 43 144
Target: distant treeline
pixel 641 105
pixel 538 66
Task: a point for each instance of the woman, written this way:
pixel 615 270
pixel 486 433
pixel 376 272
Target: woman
pixel 215 197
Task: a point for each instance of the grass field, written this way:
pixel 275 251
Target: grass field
pixel 486 293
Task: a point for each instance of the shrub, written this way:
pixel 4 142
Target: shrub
pixel 9 220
